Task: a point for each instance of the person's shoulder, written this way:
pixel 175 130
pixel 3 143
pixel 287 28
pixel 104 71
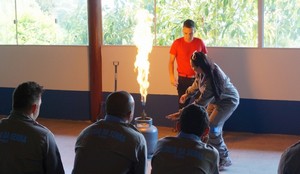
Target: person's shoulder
pixel 168 139
pixel 211 149
pixel 40 126
pixel 133 134
pixel 134 130
pixel 41 129
pixel 293 149
pixel 197 39
pixel 289 160
pixel 125 128
pixel 178 40
pixel 2 120
pixel 296 145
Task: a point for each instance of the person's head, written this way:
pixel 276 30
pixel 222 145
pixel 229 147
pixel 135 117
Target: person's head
pixel 200 63
pixel 27 99
pixel 289 160
pixel 188 30
pixel 194 120
pixel 120 104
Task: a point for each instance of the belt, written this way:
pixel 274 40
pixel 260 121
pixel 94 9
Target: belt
pixel 186 76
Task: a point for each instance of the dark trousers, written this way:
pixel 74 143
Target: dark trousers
pixel 183 84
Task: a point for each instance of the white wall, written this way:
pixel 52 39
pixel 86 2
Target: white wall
pixel 54 67
pixel 257 73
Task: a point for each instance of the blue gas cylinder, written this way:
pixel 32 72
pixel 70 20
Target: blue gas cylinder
pixel 150 132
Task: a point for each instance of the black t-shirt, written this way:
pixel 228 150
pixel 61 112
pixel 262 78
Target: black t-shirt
pixel 27 147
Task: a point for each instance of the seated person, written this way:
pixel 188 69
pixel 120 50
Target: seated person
pixel 112 145
pixel 290 159
pixel 25 145
pixel 188 152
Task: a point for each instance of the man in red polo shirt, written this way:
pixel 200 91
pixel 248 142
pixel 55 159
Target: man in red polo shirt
pixel 181 51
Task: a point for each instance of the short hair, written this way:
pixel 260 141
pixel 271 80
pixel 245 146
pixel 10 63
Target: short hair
pixel 119 103
pixel 25 95
pixel 194 119
pixel 189 23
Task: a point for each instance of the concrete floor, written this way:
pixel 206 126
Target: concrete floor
pixel 250 153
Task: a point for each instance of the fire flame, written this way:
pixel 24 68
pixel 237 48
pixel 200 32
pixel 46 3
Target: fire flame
pixel 143 39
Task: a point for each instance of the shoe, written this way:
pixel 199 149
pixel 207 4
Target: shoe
pixel 224 162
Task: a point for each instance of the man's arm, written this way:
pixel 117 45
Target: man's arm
pixel 173 80
pixel 141 165
pixel 52 159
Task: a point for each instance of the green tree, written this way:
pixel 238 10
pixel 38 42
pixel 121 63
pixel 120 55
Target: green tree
pixel 119 20
pixel 71 16
pixel 220 23
pixel 50 22
pixel 34 27
pixel 7 26
pixel 282 23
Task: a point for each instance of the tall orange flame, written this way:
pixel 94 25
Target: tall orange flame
pixel 143 39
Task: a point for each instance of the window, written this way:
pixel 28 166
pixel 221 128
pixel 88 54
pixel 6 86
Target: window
pixel 44 22
pixel 7 26
pixel 282 23
pixel 220 23
pixel 118 17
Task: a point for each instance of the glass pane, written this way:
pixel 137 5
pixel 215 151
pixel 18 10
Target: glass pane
pixel 282 24
pixel 7 26
pixel 72 22
pixel 52 22
pixel 118 20
pixel 226 23
pixel 35 24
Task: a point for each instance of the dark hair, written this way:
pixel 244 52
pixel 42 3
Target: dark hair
pixel 119 103
pixel 210 70
pixel 189 23
pixel 25 95
pixel 194 120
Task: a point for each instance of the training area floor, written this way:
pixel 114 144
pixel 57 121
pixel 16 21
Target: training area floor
pixel 250 153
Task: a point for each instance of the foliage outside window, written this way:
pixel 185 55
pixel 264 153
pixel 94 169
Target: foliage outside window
pixel 7 26
pixel 220 23
pixel 46 22
pixel 118 19
pixel 282 23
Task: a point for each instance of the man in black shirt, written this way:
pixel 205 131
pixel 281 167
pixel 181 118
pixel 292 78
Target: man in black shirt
pixel 25 145
pixel 112 145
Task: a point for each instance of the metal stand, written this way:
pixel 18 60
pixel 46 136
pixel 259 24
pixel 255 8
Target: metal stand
pixel 116 64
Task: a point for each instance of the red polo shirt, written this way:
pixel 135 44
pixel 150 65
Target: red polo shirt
pixel 183 52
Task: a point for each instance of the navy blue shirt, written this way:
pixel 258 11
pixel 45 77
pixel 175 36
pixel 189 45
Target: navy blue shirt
pixel 185 153
pixel 27 147
pixel 110 146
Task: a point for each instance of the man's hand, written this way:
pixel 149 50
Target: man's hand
pixel 175 116
pixel 205 138
pixel 183 98
pixel 174 82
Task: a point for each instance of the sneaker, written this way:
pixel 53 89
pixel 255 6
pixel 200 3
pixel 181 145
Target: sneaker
pixel 224 162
